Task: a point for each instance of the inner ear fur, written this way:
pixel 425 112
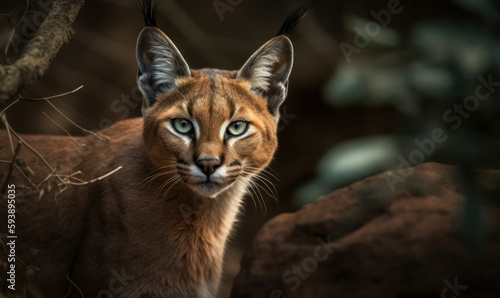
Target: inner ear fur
pixel 268 70
pixel 160 64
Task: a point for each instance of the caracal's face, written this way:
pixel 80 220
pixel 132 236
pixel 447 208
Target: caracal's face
pixel 212 129
pixel 212 132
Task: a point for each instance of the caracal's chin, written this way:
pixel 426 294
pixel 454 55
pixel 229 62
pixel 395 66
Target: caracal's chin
pixel 209 189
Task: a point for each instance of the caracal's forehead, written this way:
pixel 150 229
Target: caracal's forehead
pixel 211 98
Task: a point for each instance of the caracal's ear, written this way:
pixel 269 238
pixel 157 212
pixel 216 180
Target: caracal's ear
pixel 160 64
pixel 267 71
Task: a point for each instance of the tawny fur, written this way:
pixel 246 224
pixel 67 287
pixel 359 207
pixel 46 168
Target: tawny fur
pixel 117 224
pixel 150 229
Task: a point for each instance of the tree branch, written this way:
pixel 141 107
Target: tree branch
pixel 40 50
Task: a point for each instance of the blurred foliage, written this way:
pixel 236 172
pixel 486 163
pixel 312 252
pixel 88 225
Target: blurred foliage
pixel 347 162
pixel 444 75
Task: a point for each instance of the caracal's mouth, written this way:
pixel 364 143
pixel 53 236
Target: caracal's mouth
pixel 209 184
pixel 209 188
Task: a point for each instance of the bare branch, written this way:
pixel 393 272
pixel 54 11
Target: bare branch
pixel 40 50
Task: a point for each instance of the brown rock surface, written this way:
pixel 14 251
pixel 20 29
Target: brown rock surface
pixel 366 240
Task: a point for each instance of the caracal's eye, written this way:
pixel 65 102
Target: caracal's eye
pixel 182 126
pixel 237 128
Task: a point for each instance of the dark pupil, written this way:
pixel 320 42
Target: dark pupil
pixel 236 125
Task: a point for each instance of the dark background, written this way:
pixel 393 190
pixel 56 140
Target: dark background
pixel 395 89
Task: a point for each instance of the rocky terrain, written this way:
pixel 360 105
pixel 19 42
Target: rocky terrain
pixel 381 238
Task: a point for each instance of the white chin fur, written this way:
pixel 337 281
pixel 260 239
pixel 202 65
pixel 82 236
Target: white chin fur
pixel 210 190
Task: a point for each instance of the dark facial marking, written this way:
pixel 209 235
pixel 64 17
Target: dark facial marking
pixel 182 161
pixel 235 163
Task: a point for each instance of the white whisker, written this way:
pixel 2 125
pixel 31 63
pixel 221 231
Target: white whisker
pixel 272 192
pixel 153 177
pixel 173 183
pixel 260 198
pixel 170 180
pixel 249 190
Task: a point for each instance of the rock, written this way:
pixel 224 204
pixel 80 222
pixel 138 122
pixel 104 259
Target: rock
pixel 368 240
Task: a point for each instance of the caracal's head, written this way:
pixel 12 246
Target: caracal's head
pixel 215 128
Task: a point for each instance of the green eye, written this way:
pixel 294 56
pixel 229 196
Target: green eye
pixel 182 126
pixel 237 128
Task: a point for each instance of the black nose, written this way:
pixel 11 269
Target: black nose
pixel 208 165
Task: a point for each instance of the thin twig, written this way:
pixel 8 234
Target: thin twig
pixel 9 41
pixel 61 191
pixel 7 127
pixel 78 126
pixel 50 175
pixel 96 179
pixel 27 178
pixel 53 96
pixel 32 150
pixel 13 28
pixel 81 293
pixel 13 103
pixel 13 31
pixel 62 128
pixel 3 187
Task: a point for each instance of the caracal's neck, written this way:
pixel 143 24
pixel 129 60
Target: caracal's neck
pixel 197 229
pixel 212 217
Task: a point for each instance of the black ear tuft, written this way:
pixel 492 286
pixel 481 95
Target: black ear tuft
pixel 160 65
pixel 293 20
pixel 267 71
pixel 148 8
